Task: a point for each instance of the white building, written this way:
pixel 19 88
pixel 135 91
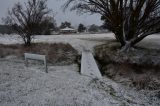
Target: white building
pixel 68 30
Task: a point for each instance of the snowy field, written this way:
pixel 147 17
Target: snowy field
pixel 78 41
pixel 63 85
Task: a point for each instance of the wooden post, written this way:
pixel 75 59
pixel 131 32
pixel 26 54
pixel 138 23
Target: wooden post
pixel 45 63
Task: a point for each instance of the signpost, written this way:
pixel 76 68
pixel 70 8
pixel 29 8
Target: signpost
pixel 36 57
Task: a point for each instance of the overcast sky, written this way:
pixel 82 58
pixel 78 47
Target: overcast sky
pixel 56 5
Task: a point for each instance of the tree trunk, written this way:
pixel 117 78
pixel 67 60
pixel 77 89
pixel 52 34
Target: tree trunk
pixel 127 47
pixel 28 40
pixel 120 39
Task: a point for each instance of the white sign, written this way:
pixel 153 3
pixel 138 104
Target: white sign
pixel 36 57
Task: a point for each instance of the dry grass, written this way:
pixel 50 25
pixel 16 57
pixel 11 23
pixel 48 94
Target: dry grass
pixel 110 53
pixel 135 76
pixel 139 68
pixel 56 53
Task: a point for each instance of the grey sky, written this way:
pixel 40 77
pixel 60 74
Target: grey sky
pixel 60 16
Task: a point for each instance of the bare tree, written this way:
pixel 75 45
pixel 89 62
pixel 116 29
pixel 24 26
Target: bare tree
pixel 29 19
pixel 130 20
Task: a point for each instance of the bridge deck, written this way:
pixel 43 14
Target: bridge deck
pixel 89 66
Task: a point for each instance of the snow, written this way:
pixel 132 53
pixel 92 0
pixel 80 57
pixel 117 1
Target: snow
pixel 10 39
pixel 89 66
pixel 77 41
pixel 63 85
pixel 68 29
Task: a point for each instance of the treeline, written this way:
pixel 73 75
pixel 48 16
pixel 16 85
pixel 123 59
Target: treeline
pixel 45 30
pixel 6 29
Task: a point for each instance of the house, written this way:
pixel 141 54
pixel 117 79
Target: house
pixel 68 30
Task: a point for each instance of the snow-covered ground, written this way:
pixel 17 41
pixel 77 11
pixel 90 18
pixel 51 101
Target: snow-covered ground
pixel 63 85
pixel 78 41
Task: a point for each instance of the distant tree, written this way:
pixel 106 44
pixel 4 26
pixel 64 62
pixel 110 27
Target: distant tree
pixel 130 20
pixel 93 28
pixel 81 28
pixel 5 29
pixel 30 19
pixel 65 24
pixel 48 26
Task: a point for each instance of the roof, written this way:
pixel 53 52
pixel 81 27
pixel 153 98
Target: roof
pixel 68 29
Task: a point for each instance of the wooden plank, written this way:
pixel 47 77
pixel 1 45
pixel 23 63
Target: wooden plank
pixel 89 66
